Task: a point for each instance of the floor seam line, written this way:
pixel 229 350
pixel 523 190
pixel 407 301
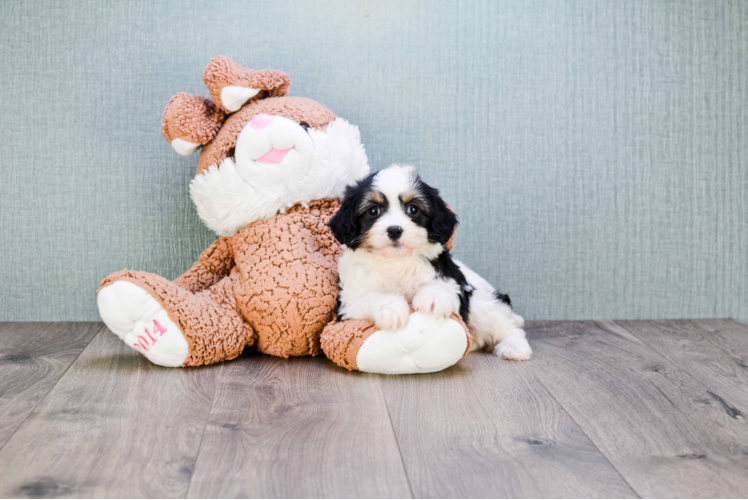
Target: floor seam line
pixel 655 350
pixel 205 428
pixel 587 436
pixel 397 441
pixel 53 386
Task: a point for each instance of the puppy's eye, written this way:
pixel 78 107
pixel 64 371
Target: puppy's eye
pixel 374 211
pixel 411 209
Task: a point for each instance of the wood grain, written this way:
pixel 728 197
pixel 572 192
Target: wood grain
pixel 729 335
pixel 656 424
pixel 714 352
pixel 33 356
pixel 298 428
pixel 604 409
pixel 487 428
pixel 113 426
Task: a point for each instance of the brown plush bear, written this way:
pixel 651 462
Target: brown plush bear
pixel 270 173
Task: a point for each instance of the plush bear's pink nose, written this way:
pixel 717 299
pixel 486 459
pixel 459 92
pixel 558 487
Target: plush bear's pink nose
pixel 261 121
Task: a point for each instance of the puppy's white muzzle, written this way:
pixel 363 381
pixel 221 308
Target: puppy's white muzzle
pixel 411 238
pixel 273 152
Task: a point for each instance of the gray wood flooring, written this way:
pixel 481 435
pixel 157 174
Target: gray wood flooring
pixel 604 409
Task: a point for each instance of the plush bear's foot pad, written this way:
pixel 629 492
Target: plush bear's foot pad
pixel 140 322
pixel 427 344
pixel 514 348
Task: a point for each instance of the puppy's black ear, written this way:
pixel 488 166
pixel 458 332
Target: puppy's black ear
pixel 443 220
pixel 345 225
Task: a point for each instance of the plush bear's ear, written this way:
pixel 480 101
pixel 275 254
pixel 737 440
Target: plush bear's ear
pixel 232 85
pixel 190 121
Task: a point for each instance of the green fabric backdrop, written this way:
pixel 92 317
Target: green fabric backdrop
pixel 595 151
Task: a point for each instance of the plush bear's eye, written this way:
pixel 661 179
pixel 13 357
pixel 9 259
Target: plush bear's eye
pixel 374 211
pixel 411 209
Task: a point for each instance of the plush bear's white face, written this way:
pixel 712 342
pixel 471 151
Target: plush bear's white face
pixel 277 164
pixel 273 152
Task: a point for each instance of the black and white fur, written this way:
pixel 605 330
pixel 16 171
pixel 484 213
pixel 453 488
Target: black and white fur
pixel 394 229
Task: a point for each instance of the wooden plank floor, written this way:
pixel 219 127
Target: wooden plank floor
pixel 604 409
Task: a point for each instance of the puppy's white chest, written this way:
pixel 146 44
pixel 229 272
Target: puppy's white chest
pixel 401 276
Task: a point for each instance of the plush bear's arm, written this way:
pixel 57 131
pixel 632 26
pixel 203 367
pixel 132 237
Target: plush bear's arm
pixel 213 265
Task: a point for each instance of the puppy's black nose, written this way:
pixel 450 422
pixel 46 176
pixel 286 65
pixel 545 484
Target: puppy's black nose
pixel 394 232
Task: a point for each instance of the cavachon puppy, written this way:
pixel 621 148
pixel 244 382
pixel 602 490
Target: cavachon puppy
pixel 395 229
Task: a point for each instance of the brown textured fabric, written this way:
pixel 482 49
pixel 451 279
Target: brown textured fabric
pixel 191 118
pixel 341 340
pixel 222 72
pixel 298 109
pixel 208 123
pixel 209 320
pixel 451 241
pixel 290 278
pixel 457 318
pixel 214 264
pixel 273 284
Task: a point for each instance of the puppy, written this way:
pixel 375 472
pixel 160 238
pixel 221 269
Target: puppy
pixel 394 229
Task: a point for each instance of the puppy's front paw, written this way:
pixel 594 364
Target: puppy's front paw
pixel 436 301
pixel 393 315
pixel 514 348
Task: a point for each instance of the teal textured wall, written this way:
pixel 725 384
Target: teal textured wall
pixel 595 151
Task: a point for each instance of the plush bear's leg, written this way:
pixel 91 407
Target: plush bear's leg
pixel 426 344
pixel 172 326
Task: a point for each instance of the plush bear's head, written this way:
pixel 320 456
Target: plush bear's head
pixel 262 150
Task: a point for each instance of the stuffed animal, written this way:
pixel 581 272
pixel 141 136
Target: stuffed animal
pixel 270 174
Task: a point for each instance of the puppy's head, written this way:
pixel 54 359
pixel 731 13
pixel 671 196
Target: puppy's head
pixel 393 212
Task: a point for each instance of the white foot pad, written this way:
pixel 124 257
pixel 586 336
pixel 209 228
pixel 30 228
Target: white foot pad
pixel 427 344
pixel 514 348
pixel 140 322
pixel 184 148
